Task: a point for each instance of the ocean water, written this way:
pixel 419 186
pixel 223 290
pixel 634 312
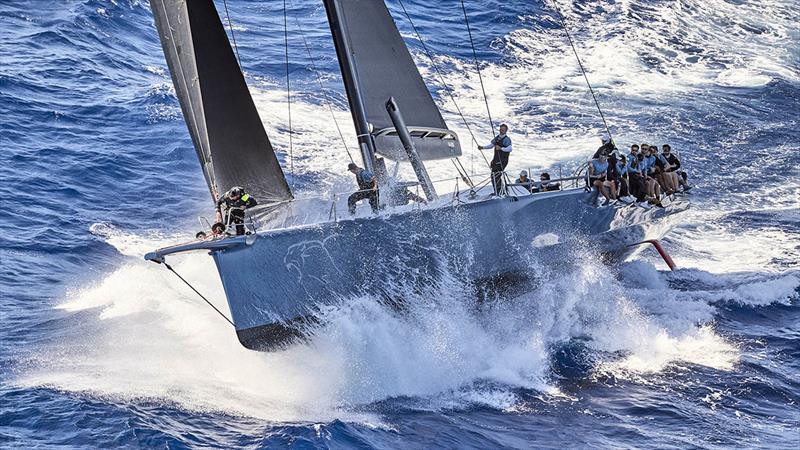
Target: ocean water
pixel 100 349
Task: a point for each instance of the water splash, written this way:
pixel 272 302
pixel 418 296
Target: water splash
pixel 143 335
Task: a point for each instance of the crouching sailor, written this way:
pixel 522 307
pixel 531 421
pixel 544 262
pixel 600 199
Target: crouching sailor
pixel 367 188
pixel 236 201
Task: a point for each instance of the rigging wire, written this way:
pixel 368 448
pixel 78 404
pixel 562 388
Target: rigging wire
pixel 327 100
pixel 288 89
pixel 580 64
pixel 477 67
pixel 233 36
pixel 441 80
pixel 198 293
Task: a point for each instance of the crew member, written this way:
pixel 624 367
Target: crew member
pixel 622 178
pixel 525 181
pixel 367 188
pixel 598 172
pixel 636 186
pixel 546 185
pixel 648 167
pixel 502 149
pixel 660 172
pixel 236 201
pixel 675 166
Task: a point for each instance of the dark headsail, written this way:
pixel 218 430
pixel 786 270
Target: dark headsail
pixel 382 67
pixel 227 132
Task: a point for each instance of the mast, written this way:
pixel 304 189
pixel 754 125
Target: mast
pixel 350 79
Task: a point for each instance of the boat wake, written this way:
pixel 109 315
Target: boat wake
pixel 141 335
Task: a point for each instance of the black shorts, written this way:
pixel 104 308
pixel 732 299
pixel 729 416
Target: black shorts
pixel 593 179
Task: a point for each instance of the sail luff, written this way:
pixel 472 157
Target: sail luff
pixel 226 130
pixel 191 108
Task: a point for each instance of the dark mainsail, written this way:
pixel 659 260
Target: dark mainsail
pixel 382 67
pixel 227 132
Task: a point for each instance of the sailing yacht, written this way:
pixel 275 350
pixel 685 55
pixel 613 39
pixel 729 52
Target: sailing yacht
pixel 305 254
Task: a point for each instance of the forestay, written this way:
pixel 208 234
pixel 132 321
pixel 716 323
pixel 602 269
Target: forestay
pixel 384 68
pixel 228 135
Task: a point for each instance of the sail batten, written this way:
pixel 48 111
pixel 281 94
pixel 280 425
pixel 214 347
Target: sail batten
pixel 383 67
pixel 225 127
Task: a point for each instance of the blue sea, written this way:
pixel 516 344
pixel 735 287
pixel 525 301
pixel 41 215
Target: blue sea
pixel 101 349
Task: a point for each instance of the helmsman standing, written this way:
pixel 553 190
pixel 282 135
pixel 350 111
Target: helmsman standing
pixel 502 149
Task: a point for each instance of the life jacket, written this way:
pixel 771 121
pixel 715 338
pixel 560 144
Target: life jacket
pixel 245 201
pixel 505 141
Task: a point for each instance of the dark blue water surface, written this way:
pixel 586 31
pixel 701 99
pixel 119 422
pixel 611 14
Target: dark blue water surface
pixel 99 349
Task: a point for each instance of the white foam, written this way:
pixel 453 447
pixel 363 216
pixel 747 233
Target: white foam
pixel 545 240
pixel 742 78
pixel 714 247
pixel 752 290
pixel 143 334
pixel 651 353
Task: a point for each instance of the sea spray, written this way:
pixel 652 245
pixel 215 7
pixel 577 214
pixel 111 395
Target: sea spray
pixel 147 336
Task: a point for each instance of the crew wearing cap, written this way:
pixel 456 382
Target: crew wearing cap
pixel 367 188
pixel 525 181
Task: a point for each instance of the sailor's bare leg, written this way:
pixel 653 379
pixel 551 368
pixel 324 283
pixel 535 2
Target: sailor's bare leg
pixel 669 186
pixel 612 190
pixel 600 186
